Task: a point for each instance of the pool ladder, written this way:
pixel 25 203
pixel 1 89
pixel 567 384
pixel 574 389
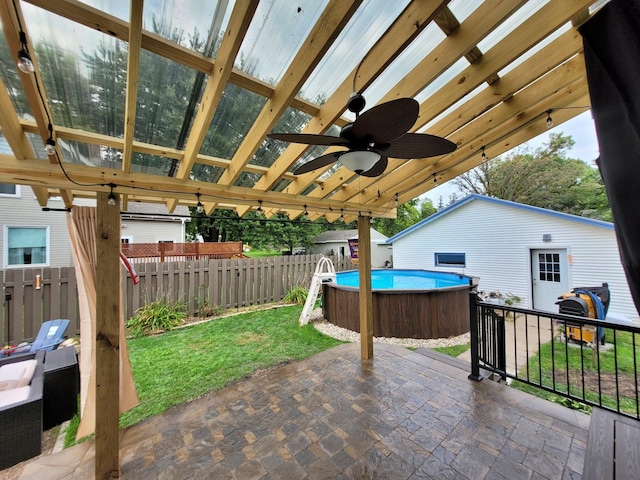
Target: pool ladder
pixel 325 272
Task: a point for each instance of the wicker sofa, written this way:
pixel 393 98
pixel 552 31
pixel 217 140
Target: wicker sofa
pixel 21 420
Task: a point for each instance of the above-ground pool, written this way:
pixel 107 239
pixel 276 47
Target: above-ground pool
pixel 406 303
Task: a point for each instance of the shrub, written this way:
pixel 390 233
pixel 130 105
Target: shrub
pixel 297 295
pixel 208 310
pixel 156 317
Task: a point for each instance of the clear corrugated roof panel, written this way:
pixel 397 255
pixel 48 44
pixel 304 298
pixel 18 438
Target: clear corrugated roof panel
pixel 461 9
pixel 371 20
pixel 164 89
pixel 10 78
pixel 268 48
pixel 236 112
pixel 510 24
pixel 206 173
pixel 193 24
pixel 85 81
pixel 292 121
pixel 430 37
pixel 5 149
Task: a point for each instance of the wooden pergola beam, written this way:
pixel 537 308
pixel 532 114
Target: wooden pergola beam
pixel 39 173
pixel 133 76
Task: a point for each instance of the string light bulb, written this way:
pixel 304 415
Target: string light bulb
pixel 259 206
pixel 484 155
pixel 396 201
pixel 199 206
pixel 435 178
pixel 50 144
pixel 111 200
pixel 549 119
pixel 25 64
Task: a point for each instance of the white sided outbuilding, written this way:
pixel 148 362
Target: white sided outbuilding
pixel 529 252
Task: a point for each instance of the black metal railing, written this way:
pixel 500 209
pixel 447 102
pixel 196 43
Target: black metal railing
pixel 581 359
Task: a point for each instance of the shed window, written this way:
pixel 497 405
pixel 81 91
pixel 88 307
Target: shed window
pixel 450 259
pixel 26 246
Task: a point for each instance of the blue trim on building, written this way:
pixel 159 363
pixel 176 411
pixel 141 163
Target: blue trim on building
pixel 508 203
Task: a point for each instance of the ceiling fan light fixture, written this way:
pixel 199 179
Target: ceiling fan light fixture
pixel 359 161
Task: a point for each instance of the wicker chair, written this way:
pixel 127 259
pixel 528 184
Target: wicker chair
pixel 21 422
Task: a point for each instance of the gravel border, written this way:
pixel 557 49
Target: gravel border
pixel 350 336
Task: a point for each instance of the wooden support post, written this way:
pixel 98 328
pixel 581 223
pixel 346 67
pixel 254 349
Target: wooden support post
pixel 366 302
pixel 107 345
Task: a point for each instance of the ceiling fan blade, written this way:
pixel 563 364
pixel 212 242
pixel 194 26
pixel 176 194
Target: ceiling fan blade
pixel 310 139
pixel 387 121
pixel 419 145
pixel 378 169
pixel 318 162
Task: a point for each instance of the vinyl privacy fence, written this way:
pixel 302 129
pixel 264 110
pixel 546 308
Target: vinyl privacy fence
pixel 34 295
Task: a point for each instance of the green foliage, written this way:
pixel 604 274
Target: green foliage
pixel 512 299
pixel 546 178
pixel 158 316
pixel 453 350
pixel 297 295
pixel 409 213
pixel 254 229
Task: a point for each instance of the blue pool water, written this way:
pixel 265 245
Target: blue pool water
pixel 389 279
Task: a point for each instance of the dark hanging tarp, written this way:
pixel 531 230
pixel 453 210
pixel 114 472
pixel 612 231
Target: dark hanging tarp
pixel 612 56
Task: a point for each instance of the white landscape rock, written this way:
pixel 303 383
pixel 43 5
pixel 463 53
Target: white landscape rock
pixel 350 336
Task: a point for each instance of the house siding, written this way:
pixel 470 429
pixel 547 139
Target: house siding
pixel 148 231
pixel 24 211
pixel 497 240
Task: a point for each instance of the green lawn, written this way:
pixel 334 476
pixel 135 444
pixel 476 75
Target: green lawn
pixel 454 350
pixel 184 364
pixel 262 253
pixel 573 359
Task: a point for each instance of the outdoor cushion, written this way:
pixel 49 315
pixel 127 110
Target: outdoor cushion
pixel 16 375
pixel 15 395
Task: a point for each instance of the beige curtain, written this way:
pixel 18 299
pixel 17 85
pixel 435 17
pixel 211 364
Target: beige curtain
pixel 82 224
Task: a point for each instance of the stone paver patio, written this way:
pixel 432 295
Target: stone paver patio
pixel 403 415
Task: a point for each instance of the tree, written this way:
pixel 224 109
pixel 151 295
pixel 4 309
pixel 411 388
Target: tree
pixel 409 213
pixel 254 229
pixel 546 178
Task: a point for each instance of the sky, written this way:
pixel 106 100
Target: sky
pixel 581 128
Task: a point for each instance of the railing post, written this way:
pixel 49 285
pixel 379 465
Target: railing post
pixel 473 320
pixel 501 344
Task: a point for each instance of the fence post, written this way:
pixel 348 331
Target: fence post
pixel 473 319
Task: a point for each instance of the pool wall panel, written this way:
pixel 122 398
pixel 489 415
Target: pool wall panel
pixel 417 314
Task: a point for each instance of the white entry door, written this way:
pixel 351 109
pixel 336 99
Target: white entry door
pixel 550 279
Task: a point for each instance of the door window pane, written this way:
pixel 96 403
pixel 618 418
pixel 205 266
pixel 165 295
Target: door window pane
pixel 549 267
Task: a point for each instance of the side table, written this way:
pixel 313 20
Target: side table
pixel 61 386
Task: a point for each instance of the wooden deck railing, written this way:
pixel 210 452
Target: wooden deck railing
pixel 168 251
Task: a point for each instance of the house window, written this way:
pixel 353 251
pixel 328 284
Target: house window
pixel 26 246
pixel 9 190
pixel 450 259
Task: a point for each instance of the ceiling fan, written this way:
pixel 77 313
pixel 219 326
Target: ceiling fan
pixel 377 134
